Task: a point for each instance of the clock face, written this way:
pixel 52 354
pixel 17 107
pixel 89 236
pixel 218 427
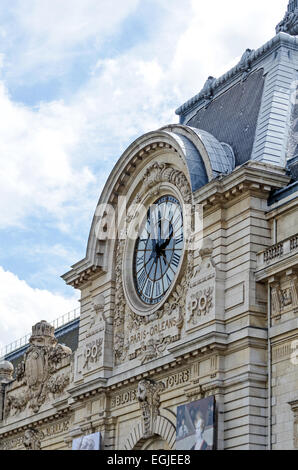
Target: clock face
pixel 158 250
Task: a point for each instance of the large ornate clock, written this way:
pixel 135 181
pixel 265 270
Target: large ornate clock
pixel 154 255
pixel 153 265
pixel 158 250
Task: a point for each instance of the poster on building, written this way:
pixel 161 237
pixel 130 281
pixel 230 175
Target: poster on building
pixel 196 425
pixel 90 442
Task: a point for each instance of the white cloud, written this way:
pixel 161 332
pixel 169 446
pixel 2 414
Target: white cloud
pixel 38 169
pixel 21 306
pixel 215 39
pixel 53 32
pixel 48 154
pixel 55 158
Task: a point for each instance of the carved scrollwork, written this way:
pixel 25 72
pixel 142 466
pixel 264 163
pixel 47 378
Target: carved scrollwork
pixel 153 349
pixel 158 173
pixel 57 384
pixel 120 349
pixel 289 24
pixel 148 395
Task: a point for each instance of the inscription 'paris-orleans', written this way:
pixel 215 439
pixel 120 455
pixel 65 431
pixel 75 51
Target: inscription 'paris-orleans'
pixel 158 250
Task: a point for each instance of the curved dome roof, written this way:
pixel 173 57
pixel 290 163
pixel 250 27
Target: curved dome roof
pixel 196 142
pixel 220 154
pixel 196 167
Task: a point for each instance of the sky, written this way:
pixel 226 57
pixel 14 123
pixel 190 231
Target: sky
pixel 79 81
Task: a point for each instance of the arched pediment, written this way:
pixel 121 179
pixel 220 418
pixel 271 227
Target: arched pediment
pixel 202 157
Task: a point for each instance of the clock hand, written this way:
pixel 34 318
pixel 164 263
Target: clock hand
pixel 159 231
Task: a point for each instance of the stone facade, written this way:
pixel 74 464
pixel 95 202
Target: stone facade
pixel 228 325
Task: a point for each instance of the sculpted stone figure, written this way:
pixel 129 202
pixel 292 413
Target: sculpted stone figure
pixel 148 395
pixel 32 439
pixel 289 24
pixel 38 371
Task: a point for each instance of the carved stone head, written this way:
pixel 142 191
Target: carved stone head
pixel 43 334
pixel 32 439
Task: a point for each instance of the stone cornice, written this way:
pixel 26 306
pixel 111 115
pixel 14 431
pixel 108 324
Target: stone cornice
pixel 257 178
pixel 8 430
pixel 78 392
pixel 294 405
pixel 82 272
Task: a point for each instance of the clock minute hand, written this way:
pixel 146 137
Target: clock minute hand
pixel 166 243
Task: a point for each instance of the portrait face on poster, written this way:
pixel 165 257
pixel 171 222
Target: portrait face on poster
pixel 196 425
pixel 90 442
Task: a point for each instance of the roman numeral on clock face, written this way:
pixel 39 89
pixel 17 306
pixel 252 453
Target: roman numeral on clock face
pixel 140 261
pixel 142 279
pixel 176 260
pixel 157 289
pixel 148 288
pixel 179 239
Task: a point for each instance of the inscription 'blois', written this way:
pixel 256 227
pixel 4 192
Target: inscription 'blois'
pixel 171 381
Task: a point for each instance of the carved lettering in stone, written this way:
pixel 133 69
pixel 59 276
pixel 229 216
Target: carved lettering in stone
pixel 180 378
pixel 130 396
pixel 57 428
pixel 150 336
pixel 124 398
pixel 148 395
pixel 92 353
pixel 200 305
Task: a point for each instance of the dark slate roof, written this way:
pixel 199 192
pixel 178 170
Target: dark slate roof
pixel 281 194
pixel 232 116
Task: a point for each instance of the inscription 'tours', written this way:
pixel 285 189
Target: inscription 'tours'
pixel 130 396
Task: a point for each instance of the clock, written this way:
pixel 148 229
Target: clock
pixel 158 251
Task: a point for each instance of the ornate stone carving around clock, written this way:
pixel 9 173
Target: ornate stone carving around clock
pixel 150 315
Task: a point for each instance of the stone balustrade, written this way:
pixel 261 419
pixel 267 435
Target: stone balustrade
pixel 279 251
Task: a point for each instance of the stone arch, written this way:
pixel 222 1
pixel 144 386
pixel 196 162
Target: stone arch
pixel 163 428
pixel 198 169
